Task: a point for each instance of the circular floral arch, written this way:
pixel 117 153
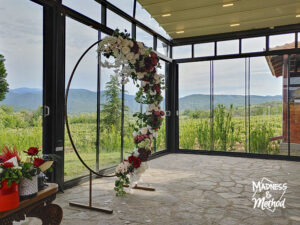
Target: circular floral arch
pixel 132 60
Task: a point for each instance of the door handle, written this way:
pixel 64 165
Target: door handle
pixel 46 111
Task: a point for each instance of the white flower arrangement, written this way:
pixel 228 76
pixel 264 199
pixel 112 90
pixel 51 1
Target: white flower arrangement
pixel 134 60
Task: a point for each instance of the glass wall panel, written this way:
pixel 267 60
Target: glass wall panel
pixel 144 37
pixel 89 8
pixel 115 21
pixel 229 105
pixel 205 49
pixel 21 54
pixel 124 5
pixel 266 99
pixel 82 104
pixel 257 44
pixel 162 47
pixel 160 142
pixel 131 107
pixel 110 117
pixel 282 41
pixel 227 47
pixel 180 52
pixel 194 106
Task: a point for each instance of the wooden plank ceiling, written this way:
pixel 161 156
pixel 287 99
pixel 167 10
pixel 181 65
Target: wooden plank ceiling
pixel 188 18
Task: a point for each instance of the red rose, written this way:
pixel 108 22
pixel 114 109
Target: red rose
pixel 135 161
pixel 38 161
pixel 8 164
pixel 153 55
pixel 157 88
pixel 32 151
pixel 157 113
pixel 162 113
pixel 154 121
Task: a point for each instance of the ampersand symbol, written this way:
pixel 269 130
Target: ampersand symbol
pixel 268 195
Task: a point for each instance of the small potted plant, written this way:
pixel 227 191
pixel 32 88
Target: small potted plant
pixel 31 168
pixel 10 175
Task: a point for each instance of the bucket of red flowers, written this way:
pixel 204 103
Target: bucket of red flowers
pixel 31 168
pixel 10 175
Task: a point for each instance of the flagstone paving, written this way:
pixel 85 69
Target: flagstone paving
pixel 190 190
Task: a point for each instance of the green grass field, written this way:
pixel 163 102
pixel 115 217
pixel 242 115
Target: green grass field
pixel 23 130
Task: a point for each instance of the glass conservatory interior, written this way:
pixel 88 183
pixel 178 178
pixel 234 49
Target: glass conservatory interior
pixel 231 101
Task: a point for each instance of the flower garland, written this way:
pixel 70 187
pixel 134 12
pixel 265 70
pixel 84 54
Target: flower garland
pixel 134 60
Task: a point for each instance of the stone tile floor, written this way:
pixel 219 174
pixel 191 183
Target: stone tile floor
pixel 190 190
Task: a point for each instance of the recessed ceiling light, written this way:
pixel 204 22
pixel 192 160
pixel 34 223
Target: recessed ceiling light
pixel 180 32
pixel 234 25
pixel 166 15
pixel 227 5
pixel 298 15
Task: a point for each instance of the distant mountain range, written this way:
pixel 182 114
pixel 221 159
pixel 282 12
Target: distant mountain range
pixel 82 100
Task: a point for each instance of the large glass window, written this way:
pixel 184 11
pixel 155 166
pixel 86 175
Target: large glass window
pixel 184 51
pixel 160 142
pixel 144 37
pixel 82 104
pixel 89 8
pixel 229 105
pixel 21 53
pixel 194 106
pixel 266 104
pixel 115 21
pixel 124 5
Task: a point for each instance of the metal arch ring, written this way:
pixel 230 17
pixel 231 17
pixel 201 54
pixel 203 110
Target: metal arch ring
pixel 66 113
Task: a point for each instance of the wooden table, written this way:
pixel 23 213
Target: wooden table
pixel 39 206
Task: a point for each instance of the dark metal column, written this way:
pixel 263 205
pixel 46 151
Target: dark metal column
pixel 172 107
pixel 54 88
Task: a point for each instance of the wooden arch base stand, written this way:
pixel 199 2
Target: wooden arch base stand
pixel 90 205
pixel 140 187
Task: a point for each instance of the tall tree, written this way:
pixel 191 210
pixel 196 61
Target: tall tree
pixel 111 112
pixel 3 82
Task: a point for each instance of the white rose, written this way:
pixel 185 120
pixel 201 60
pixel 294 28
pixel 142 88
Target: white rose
pixel 142 51
pixel 144 83
pixel 155 134
pixel 130 43
pixel 136 56
pixel 125 50
pixel 140 44
pixel 119 40
pixel 1 170
pixel 140 75
pixel 124 43
pixel 144 130
pixel 132 61
pixel 129 56
pixel 116 52
pixel 152 93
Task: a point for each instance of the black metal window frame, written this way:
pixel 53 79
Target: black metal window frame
pixel 54 72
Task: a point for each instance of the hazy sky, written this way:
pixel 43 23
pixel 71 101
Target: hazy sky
pixel 21 44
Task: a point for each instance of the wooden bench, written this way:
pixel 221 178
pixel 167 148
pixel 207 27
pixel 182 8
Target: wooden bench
pixel 39 206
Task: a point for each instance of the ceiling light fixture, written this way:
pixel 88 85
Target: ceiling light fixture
pixel 298 15
pixel 227 5
pixel 166 15
pixel 234 25
pixel 180 32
